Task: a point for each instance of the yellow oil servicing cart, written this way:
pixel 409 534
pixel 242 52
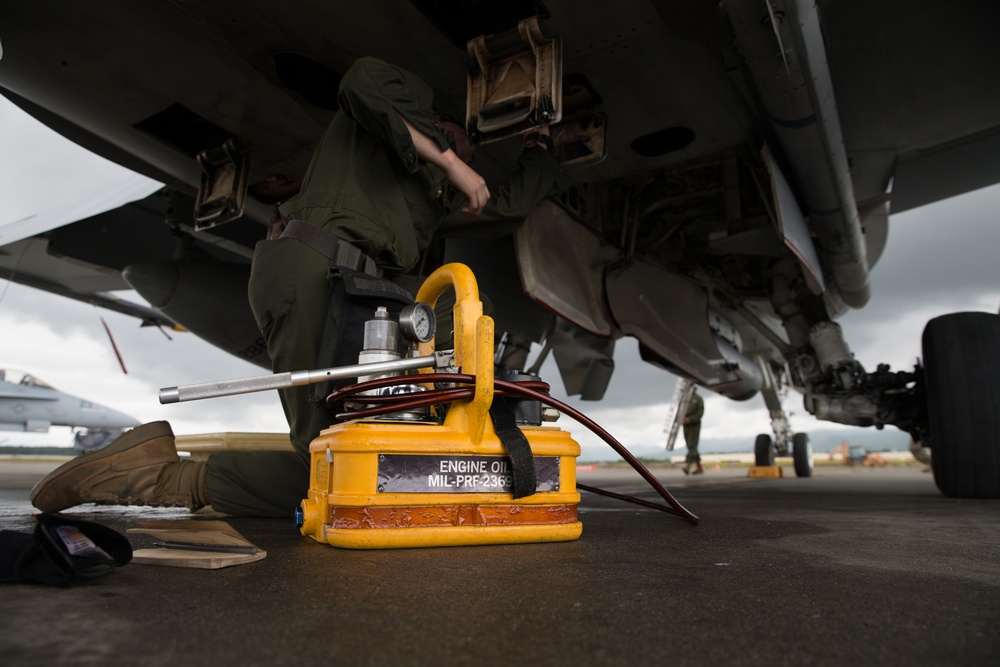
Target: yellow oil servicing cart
pixel 400 480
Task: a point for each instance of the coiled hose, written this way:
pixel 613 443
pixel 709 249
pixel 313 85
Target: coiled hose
pixel 536 390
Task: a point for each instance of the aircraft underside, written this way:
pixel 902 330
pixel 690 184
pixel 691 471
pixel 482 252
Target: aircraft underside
pixel 733 168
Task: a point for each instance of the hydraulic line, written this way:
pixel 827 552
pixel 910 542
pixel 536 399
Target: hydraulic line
pixel 537 390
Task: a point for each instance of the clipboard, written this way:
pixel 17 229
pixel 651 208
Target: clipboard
pixel 206 545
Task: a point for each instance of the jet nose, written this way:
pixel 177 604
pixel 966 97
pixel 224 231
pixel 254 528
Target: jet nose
pixel 123 420
pixel 115 419
pixel 96 415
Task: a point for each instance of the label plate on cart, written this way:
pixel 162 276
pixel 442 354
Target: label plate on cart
pixel 408 473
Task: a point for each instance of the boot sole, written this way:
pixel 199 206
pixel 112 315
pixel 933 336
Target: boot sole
pixel 137 436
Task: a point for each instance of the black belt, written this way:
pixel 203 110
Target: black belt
pixel 338 251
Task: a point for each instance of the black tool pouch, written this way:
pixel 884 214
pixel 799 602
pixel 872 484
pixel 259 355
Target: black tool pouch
pixel 60 550
pixel 354 296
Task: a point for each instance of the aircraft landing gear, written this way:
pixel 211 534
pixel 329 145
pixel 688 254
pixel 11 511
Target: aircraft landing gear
pixel 802 456
pixel 765 449
pixel 962 380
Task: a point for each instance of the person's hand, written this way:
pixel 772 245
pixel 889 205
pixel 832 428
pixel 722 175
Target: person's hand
pixel 461 176
pixel 467 181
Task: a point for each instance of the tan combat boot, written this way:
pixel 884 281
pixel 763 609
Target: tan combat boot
pixel 141 467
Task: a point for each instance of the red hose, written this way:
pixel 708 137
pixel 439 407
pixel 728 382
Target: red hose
pixel 536 390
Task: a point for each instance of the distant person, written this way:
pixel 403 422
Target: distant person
pixel 692 430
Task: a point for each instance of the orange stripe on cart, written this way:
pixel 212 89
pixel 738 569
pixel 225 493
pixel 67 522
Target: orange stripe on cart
pixel 450 515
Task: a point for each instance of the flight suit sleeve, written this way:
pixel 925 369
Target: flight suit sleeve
pixel 537 177
pixel 374 94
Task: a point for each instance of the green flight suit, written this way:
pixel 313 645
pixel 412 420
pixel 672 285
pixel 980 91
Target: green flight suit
pixel 365 185
pixel 692 427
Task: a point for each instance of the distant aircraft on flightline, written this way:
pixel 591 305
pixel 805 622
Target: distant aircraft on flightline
pixel 28 403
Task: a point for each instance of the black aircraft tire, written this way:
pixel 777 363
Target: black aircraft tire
pixel 763 453
pixel 802 455
pixel 962 377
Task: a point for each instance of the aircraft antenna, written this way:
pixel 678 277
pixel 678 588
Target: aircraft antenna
pixel 121 362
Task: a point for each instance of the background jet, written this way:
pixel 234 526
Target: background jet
pixel 28 403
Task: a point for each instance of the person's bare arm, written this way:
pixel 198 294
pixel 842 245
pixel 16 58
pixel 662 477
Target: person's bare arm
pixel 463 177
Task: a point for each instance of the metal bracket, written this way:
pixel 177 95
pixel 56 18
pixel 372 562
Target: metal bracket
pixel 580 141
pixel 772 399
pixel 581 137
pixel 222 193
pixel 512 89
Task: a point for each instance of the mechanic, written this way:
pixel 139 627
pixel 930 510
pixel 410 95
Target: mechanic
pixel 692 431
pixel 387 177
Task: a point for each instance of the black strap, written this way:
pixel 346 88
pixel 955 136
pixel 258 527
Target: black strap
pixel 361 286
pixel 354 296
pixel 522 463
pixel 338 251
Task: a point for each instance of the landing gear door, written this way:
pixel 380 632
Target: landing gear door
pixel 222 193
pixel 792 226
pixel 562 267
pixel 668 313
pixel 515 83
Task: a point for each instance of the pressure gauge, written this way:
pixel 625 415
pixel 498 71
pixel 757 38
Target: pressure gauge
pixel 417 322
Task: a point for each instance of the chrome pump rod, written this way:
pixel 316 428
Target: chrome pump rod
pixel 194 392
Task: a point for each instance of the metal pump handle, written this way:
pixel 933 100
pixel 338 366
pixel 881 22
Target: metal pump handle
pixel 194 392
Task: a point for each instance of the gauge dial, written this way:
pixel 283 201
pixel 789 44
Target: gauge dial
pixel 417 322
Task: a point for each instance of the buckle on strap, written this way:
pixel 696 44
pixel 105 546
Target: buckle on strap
pixel 338 251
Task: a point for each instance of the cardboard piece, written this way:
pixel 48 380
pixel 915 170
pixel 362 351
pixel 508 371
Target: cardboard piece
pixel 207 545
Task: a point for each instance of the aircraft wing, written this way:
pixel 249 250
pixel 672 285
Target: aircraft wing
pixel 25 255
pixel 747 155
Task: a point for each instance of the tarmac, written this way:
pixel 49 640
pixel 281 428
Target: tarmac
pixel 852 566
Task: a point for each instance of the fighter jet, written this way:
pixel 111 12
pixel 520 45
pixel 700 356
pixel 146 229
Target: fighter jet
pixel 28 403
pixel 734 165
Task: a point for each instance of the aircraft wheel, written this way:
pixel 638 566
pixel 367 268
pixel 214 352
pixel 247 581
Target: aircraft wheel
pixel 962 379
pixel 802 455
pixel 763 452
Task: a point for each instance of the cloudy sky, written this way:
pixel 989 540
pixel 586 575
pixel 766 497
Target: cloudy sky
pixel 940 258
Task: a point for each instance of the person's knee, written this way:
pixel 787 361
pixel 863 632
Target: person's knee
pixel 259 484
